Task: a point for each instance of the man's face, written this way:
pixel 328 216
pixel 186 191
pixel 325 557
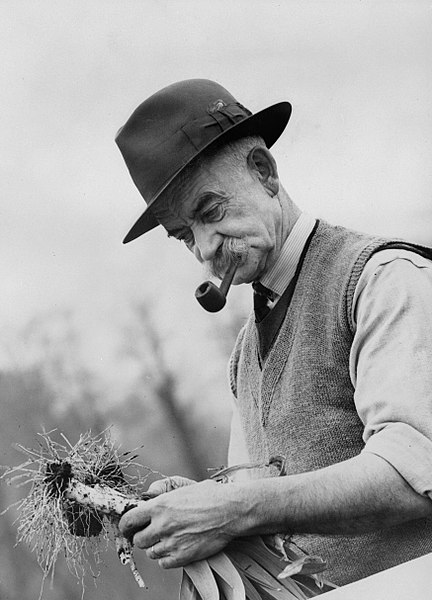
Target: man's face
pixel 216 206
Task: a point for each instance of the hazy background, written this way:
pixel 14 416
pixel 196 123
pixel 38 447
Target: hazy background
pixel 96 333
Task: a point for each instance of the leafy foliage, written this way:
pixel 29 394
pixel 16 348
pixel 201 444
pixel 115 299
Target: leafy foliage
pixel 250 569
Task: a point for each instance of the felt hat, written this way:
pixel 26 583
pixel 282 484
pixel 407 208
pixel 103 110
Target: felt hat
pixel 172 127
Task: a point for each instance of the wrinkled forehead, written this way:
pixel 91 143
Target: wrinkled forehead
pixel 182 199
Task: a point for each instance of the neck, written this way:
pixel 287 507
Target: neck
pixel 287 218
pixel 290 213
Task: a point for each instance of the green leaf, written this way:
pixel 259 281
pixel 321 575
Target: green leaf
pixel 260 578
pixel 203 579
pixel 265 593
pixel 273 564
pixel 302 586
pixel 251 592
pixel 311 586
pixel 229 580
pixel 187 589
pixel 305 565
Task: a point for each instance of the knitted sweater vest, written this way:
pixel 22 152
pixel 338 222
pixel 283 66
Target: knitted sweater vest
pixel 299 404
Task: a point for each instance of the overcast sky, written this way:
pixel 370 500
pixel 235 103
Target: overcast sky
pixel 357 151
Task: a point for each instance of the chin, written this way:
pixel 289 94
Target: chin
pixel 240 281
pixel 243 277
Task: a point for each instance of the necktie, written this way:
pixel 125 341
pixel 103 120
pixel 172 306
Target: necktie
pixel 262 297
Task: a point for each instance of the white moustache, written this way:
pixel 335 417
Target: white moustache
pixel 233 251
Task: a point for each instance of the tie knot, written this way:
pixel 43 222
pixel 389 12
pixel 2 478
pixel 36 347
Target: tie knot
pixel 261 290
pixel 262 297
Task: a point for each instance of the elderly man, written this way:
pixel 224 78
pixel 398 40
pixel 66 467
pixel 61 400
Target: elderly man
pixel 332 370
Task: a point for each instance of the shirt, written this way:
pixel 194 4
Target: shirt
pixel 279 276
pixel 391 355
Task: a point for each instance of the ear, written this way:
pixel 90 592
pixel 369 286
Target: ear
pixel 261 162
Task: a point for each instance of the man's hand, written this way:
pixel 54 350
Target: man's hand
pixel 186 524
pixel 168 484
pixel 359 495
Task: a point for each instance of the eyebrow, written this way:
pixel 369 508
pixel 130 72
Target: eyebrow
pixel 204 199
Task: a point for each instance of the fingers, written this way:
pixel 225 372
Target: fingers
pixel 171 562
pixel 178 481
pixel 160 487
pixel 168 558
pixel 147 527
pixel 168 485
pixel 146 538
pixel 156 551
pixel 179 527
pixel 135 519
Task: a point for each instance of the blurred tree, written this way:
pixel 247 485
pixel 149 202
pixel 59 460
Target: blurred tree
pixel 29 404
pixel 50 387
pixel 157 379
pixel 26 409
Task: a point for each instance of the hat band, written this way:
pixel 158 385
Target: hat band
pixel 201 132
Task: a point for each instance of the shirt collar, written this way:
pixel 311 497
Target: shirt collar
pixel 281 273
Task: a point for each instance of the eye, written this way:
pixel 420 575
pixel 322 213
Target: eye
pixel 213 213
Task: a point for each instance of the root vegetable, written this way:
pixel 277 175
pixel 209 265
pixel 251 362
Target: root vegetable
pixel 79 492
pixel 77 495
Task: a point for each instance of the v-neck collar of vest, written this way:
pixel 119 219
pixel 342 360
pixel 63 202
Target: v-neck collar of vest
pixel 264 377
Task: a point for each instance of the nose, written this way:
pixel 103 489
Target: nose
pixel 206 243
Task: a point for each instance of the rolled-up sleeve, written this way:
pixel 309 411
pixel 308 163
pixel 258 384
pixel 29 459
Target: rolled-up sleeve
pixel 391 362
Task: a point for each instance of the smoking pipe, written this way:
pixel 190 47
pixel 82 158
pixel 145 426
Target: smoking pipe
pixel 213 298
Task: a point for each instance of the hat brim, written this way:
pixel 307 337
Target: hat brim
pixel 268 123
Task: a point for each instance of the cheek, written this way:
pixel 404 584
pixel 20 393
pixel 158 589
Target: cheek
pixel 251 228
pixel 261 236
pixel 252 266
